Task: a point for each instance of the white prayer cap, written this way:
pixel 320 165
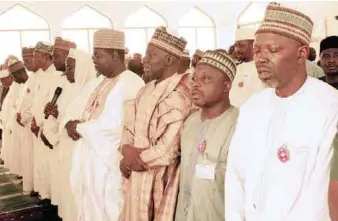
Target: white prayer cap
pixel 245 34
pixel 4 73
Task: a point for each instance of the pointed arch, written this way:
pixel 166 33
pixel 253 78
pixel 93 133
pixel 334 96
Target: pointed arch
pixel 252 15
pixel 81 25
pixel 198 28
pixel 141 23
pixel 19 31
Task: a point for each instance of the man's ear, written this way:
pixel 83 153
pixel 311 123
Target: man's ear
pixel 170 59
pixel 303 53
pixel 115 55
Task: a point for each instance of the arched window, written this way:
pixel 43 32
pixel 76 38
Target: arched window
pixel 140 27
pixel 81 25
pixel 198 29
pixel 253 15
pixel 20 27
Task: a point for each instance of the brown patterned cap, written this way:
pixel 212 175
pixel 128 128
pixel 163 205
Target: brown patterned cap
pixel 286 22
pixel 109 38
pixel 63 44
pixel 221 61
pixel 27 51
pixel 15 65
pixel 168 42
pixel 44 47
pixel 199 53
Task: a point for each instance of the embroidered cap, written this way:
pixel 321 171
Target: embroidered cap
pixel 27 51
pixel 15 65
pixel 199 53
pixel 221 61
pixel 168 42
pixel 286 22
pixel 44 47
pixel 109 38
pixel 63 44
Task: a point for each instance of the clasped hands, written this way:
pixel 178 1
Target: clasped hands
pixel 132 161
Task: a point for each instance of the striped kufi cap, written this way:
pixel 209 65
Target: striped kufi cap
pixel 109 39
pixel 27 51
pixel 221 61
pixel 63 44
pixel 44 47
pixel 286 22
pixel 168 42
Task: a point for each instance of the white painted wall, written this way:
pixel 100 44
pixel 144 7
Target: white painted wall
pixel 224 13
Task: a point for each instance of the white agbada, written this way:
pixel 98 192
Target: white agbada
pixel 27 151
pixel 95 175
pixel 259 186
pixel 245 84
pixel 314 70
pixel 48 81
pixel 62 144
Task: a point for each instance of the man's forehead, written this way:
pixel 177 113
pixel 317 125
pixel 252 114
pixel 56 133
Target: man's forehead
pixel 272 39
pixel 242 42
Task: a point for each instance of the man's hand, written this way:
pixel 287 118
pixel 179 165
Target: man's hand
pixel 126 172
pixel 18 119
pixel 51 109
pixel 71 130
pixel 132 158
pixel 35 129
pixel 45 141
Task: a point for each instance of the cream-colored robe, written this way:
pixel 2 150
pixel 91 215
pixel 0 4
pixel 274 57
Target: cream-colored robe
pixel 27 151
pixel 47 83
pixel 259 186
pixel 245 84
pixel 95 175
pixel 56 134
pixel 8 119
pixel 203 199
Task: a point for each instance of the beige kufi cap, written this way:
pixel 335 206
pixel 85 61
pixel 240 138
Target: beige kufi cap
pixel 245 34
pixel 15 65
pixel 287 22
pixel 109 39
pixel 186 54
pixel 44 47
pixel 63 44
pixel 27 51
pixel 221 61
pixel 168 42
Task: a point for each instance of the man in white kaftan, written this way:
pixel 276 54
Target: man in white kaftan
pixel 24 118
pixel 246 82
pixel 60 52
pixel 48 81
pixel 279 157
pixel 79 71
pixel 95 175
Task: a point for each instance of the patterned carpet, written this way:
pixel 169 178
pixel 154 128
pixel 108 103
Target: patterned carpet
pixel 15 206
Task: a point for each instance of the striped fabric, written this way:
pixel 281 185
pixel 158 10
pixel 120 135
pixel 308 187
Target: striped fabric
pixel 287 22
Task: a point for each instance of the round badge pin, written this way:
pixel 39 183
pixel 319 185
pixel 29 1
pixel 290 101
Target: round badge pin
pixel 283 154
